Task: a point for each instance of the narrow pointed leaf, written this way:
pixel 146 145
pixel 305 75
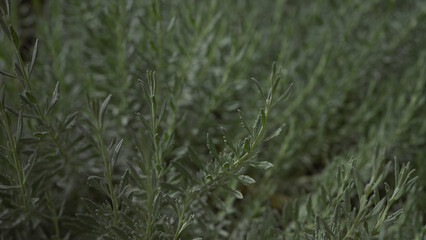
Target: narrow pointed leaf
pixel 55 97
pixel 7 74
pixel 34 57
pixel 14 36
pixel 276 133
pixel 237 194
pixel 102 109
pixel 285 94
pixel 258 87
pixel 246 180
pixel 117 152
pixel 19 127
pixel 262 165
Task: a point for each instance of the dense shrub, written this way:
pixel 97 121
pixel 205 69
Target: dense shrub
pixel 165 120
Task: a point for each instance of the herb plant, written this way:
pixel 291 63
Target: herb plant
pixel 164 119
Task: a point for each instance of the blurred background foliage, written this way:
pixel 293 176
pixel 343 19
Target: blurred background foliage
pixel 357 69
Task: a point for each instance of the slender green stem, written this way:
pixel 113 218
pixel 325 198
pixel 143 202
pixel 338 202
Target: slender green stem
pixel 18 168
pixel 181 218
pixel 157 160
pixel 108 175
pixel 24 72
pixel 357 218
pixel 381 220
pixel 155 131
pixel 150 197
pixel 255 142
pixel 55 217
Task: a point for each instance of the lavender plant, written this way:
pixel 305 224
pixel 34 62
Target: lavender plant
pixel 163 120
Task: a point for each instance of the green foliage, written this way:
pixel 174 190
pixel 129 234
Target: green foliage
pixel 211 143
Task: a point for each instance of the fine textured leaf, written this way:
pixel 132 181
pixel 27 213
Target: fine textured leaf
pixel 258 87
pixel 276 133
pixel 246 180
pixel 117 151
pixel 262 165
pixel 7 74
pixel 14 36
pixel 19 127
pixel 102 109
pixel 34 57
pixel 55 97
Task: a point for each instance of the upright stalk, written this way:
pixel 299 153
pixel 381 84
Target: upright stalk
pixel 108 175
pixel 151 91
pixel 18 167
